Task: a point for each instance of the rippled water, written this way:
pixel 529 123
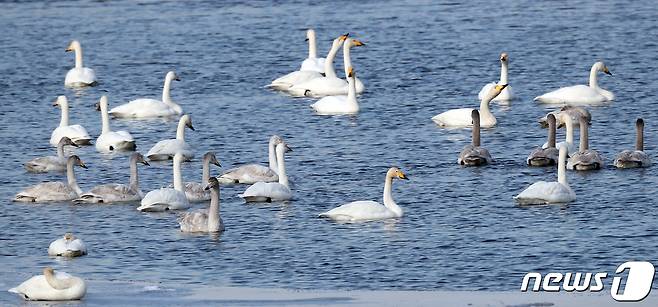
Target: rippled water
pixel 461 229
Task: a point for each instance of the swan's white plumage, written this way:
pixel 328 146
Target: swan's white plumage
pixel 68 246
pixel 581 94
pixel 79 76
pixel 77 133
pixel 166 149
pixel 249 174
pixel 109 140
pixel 147 107
pixel 296 77
pixel 506 94
pixel 543 192
pixel 38 288
pixel 167 198
pixel 271 191
pixel 460 118
pixel 314 64
pixel 342 104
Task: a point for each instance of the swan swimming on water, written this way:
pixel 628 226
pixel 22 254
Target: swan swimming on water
pixel 634 158
pixel 166 149
pixel 51 286
pixel 370 210
pixel 312 63
pixel 79 76
pixel 252 173
pixel 164 199
pixel 68 246
pixel 585 159
pixel 549 155
pixel 76 133
pixel 460 118
pixel 271 191
pixel 543 192
pixel 339 104
pixel 204 220
pixel 117 192
pixel 56 190
pixel 581 94
pixel 506 94
pixel 474 154
pixel 51 163
pixel 109 140
pixel 149 108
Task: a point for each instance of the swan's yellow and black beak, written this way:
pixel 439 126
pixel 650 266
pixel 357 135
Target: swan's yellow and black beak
pixel 501 87
pixel 344 36
pixel 356 43
pixel 402 175
pixel 55 103
pixel 606 71
pixel 350 72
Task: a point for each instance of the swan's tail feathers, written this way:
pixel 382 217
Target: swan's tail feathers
pixel 13 290
pixel 256 199
pixel 89 198
pixel 82 142
pixel 25 198
pixel 159 157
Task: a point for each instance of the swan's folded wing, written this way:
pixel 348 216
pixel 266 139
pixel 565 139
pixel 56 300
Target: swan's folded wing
pixel 48 191
pixel 454 118
pixel 543 156
pixel 632 158
pixel 163 199
pixel 112 192
pixel 272 190
pixel 543 192
pixel 44 164
pixel 358 210
pixel 169 147
pixel 194 221
pixel 295 77
pixel 251 173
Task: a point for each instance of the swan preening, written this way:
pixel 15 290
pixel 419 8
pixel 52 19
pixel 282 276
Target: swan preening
pixel 549 155
pixel 341 104
pixel 370 210
pixel 55 191
pixel 312 63
pixel 76 133
pixel 110 141
pixel 473 154
pixel 506 94
pixel 634 158
pixel 459 118
pixel 166 149
pixel 585 159
pixel 271 191
pixel 252 173
pixel 147 107
pixel 204 220
pixel 574 112
pixel 68 246
pixel 117 192
pixel 196 191
pixel 79 76
pixel 543 192
pixel 51 286
pixel 51 163
pixel 164 199
pixel 581 94
pixel 330 85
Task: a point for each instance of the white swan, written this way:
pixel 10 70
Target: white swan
pixel 585 159
pixel 50 163
pixel 204 220
pixel 634 158
pixel 567 122
pixel 51 286
pixel 328 85
pixel 68 246
pixel 271 191
pixel 549 155
pixel 367 210
pixel 117 192
pixel 341 104
pixel 473 154
pixel 459 118
pixel 573 111
pixel 297 77
pixel 147 107
pixel 79 76
pixel 312 63
pixel 167 198
pixel 76 133
pixel 543 192
pixel 110 141
pixel 55 190
pixel 506 94
pixel 196 191
pixel 581 94
pixel 252 173
pixel 166 149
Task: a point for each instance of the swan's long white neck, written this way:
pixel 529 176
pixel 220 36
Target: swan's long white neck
pixel 271 153
pixel 329 71
pixel 64 106
pixel 70 176
pixel 105 118
pixel 562 168
pixel 484 107
pixel 312 47
pixel 134 178
pixel 165 91
pixel 351 90
pixel 180 131
pixel 388 196
pixel 503 72
pixel 593 79
pixel 206 170
pixel 213 211
pixel 569 126
pixel 280 151
pixel 347 59
pixel 59 284
pixel 178 177
pixel 78 56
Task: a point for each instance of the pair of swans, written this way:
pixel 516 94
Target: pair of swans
pixel 550 154
pixel 581 94
pixel 166 149
pixel 459 118
pixel 109 140
pixel 340 104
pixel 473 154
pixel 51 286
pixel 51 163
pixel 634 158
pixel 55 191
pixel 76 133
pixel 585 159
pixel 543 192
pixel 371 210
pixel 68 246
pixel 164 199
pixel 117 192
pixel 149 108
pixel 271 191
pixel 506 94
pixel 79 76
pixel 252 173
pixel 330 84
pixel 312 67
pixel 204 220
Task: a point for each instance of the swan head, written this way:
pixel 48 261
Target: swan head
pixel 77 161
pixel 73 45
pixel 61 102
pixel 602 68
pixel 310 34
pixel 339 40
pixel 188 121
pixel 211 158
pixel 172 76
pixel 213 183
pixel 354 43
pixel 139 158
pixel 396 173
pixel 494 91
pixel 69 236
pixel 67 141
pixel 503 57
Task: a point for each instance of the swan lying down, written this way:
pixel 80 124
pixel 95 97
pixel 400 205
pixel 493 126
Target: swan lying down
pixel 51 163
pixel 51 286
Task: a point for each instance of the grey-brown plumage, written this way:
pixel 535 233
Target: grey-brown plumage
pixel 473 154
pixel 634 158
pixel 545 156
pixel 574 112
pixel 585 159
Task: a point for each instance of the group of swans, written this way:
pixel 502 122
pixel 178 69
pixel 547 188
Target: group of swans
pixel 117 192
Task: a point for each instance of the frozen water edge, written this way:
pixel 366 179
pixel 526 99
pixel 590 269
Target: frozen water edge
pixel 107 293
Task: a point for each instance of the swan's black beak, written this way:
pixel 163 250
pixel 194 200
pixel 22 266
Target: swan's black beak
pixel 177 78
pixel 208 187
pixel 82 164
pixel 191 128
pixel 288 148
pixel 403 177
pixel 306 40
pixel 607 72
pixel 97 106
pixel 146 163
pixel 68 50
